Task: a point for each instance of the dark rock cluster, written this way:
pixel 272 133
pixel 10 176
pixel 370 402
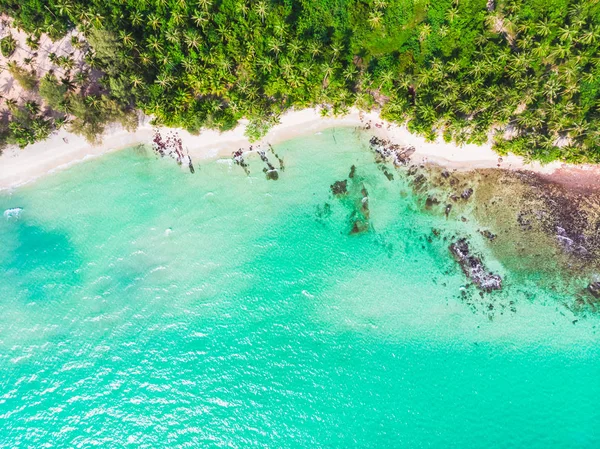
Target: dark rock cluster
pixel 171 145
pixel 269 170
pixel 473 267
pixel 387 150
pixel 238 159
pixel 353 194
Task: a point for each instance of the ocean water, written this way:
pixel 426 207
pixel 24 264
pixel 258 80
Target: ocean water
pixel 145 306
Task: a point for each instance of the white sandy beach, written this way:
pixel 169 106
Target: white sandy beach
pixel 62 149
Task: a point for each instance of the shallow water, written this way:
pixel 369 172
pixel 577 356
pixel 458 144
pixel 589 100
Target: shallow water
pixel 146 306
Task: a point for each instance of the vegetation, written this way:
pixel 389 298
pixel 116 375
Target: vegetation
pixel 27 79
pixel 8 45
pixel 526 71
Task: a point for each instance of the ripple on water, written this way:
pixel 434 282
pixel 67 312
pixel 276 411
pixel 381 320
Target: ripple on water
pixel 261 322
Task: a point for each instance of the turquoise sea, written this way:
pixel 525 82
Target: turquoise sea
pixel 145 306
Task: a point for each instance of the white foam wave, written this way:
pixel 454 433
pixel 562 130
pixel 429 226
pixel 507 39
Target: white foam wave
pixel 13 213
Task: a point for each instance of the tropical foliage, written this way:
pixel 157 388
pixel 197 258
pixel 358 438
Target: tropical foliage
pixel 8 45
pixel 527 72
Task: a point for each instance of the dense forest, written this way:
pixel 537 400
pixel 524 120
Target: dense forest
pixel 523 72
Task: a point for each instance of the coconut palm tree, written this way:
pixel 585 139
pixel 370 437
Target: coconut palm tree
pixel 136 80
pixel 204 4
pixel 314 48
pixel 274 45
pixel 349 72
pixel 154 43
pixel 375 19
pixel 11 104
pixel 81 77
pixel 591 35
pixel 127 39
pixel 136 18
pixel 32 107
pixel 241 7
pixel 154 21
pixel 200 19
pixel 543 27
pixel 327 70
pixel 452 14
pixel 261 10
pixel 68 83
pixel 192 39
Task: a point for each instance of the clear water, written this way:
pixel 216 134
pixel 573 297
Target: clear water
pixel 144 306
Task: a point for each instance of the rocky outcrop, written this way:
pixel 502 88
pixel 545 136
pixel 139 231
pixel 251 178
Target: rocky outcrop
pixel 171 145
pixel 238 159
pixel 466 193
pixel 569 244
pixel 387 150
pixel 473 267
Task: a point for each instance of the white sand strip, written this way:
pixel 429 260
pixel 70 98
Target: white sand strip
pixel 61 150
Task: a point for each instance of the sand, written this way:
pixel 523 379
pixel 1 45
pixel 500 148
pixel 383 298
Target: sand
pixel 63 149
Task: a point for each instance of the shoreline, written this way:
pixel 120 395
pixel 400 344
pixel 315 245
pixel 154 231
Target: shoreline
pixel 64 149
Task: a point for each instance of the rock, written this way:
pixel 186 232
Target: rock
pixel 487 234
pixel 524 222
pixel 445 174
pixel 594 289
pixel 419 181
pixel 365 202
pixel 431 201
pixel 386 150
pixel 340 187
pixel 448 209
pixel 466 194
pixel 359 227
pixel 568 244
pixel 473 267
pixel 272 175
pixel 352 172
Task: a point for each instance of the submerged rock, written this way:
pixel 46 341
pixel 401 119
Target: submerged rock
pixel 352 172
pixel 594 289
pixel 359 227
pixel 431 201
pixel 473 267
pixel 487 234
pixel 339 188
pixel 272 175
pixel 387 174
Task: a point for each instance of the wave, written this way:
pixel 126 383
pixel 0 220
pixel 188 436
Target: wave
pixel 15 212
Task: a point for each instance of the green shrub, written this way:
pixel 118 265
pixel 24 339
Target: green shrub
pixel 8 45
